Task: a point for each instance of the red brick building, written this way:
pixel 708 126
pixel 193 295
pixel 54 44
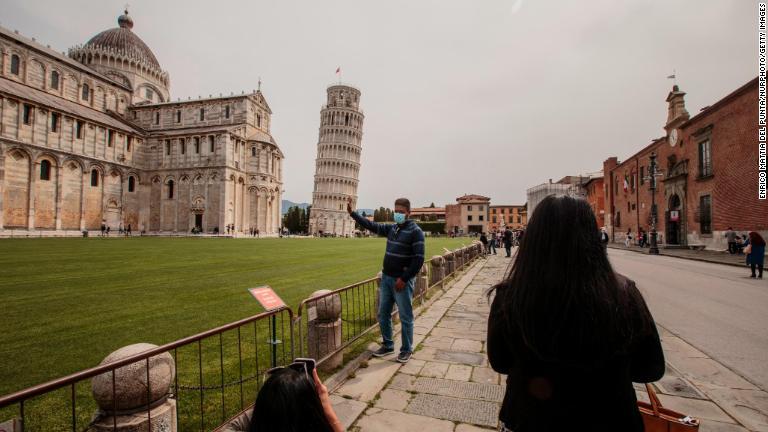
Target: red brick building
pixel 707 175
pixel 595 194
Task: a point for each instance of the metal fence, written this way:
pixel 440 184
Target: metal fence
pixel 218 372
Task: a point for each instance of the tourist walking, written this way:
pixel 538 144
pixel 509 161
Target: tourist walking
pixel 403 259
pixel 754 247
pixel 730 237
pixel 103 228
pixel 508 241
pixel 128 232
pixel 492 243
pixel 484 241
pixel 571 342
pixel 628 238
pixel 604 239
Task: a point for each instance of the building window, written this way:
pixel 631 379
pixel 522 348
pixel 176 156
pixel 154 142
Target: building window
pixel 86 92
pixel 131 184
pixel 618 219
pixel 178 116
pixel 110 138
pixel 493 219
pixel 27 114
pixel 45 170
pixel 253 151
pixel 157 118
pixel 55 122
pixel 129 141
pixel 519 219
pixel 197 145
pixel 469 208
pixel 258 120
pixel 480 218
pixel 183 145
pixel 705 159
pixel 469 218
pixel 212 141
pixel 149 94
pixel 15 64
pixel 226 111
pixel 493 210
pixel 705 214
pixel 94 178
pixel 135 115
pixel 167 147
pixel 642 175
pixel 481 208
pixel 170 189
pixel 202 114
pixel 55 80
pixel 79 129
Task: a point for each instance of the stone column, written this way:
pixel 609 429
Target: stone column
pixel 324 329
pixel 31 194
pixel 458 258
pixel 130 397
pixel 437 269
pixel 421 285
pixel 450 263
pixel 59 193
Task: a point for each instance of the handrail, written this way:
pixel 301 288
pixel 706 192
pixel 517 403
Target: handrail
pixel 58 383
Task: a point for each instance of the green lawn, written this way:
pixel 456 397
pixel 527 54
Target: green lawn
pixel 67 303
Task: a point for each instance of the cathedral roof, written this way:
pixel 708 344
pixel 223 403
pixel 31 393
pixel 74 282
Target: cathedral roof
pixel 123 41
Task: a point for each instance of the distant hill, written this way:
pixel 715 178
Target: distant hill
pixel 288 204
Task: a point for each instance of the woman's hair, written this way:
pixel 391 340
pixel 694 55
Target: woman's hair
pixel 562 293
pixel 288 402
pixel 756 239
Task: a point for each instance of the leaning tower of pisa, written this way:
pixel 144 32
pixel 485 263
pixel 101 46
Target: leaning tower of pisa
pixel 337 166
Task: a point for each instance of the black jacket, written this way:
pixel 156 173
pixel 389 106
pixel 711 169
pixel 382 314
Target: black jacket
pixel 554 396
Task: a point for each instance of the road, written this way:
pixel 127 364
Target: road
pixel 716 308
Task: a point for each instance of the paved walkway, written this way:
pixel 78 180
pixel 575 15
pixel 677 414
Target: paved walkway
pixel 717 257
pixel 448 385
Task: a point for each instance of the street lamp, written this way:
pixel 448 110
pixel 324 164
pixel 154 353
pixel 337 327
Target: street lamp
pixel 654 249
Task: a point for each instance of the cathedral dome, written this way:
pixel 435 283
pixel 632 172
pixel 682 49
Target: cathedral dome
pixel 124 41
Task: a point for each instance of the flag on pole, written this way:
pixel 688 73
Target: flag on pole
pixel 626 183
pixel 338 70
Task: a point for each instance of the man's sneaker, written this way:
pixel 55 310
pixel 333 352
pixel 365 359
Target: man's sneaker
pixel 403 357
pixel 381 352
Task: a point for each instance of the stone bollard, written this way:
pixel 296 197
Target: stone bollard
pixel 324 329
pixel 450 263
pixel 459 254
pixel 437 264
pixel 421 284
pixel 130 397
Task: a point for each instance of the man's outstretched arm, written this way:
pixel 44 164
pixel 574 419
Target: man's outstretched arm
pixel 377 228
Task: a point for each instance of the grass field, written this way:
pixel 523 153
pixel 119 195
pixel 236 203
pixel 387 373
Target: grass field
pixel 67 303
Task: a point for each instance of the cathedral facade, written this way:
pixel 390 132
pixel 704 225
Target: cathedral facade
pixel 92 137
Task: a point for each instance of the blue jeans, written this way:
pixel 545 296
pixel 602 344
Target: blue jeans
pixel 388 297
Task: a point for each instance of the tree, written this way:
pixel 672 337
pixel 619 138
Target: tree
pixel 432 205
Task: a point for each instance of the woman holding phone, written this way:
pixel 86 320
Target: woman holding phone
pixel 293 399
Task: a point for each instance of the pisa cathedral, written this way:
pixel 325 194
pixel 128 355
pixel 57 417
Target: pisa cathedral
pixel 337 167
pixel 92 137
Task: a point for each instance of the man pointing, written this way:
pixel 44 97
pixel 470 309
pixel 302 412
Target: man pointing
pixel 402 262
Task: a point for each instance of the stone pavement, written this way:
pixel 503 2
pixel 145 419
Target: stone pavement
pixel 449 386
pixel 712 256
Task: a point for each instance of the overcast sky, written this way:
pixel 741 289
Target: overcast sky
pixel 487 96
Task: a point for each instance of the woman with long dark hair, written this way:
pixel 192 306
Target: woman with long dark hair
pixel 570 334
pixel 289 402
pixel 756 255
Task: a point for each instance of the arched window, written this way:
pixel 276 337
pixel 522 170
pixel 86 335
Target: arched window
pixel 86 92
pixel 55 80
pixel 202 114
pixel 15 61
pixel 45 170
pixel 170 189
pixel 197 145
pixel 131 184
pixel 258 120
pixel 253 151
pixel 157 117
pixel 94 178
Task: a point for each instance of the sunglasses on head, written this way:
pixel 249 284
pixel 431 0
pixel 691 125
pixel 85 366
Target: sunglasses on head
pixel 299 365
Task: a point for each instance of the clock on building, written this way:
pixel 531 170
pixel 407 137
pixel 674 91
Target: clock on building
pixel 672 137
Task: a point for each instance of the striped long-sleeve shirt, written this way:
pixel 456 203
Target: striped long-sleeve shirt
pixel 405 246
